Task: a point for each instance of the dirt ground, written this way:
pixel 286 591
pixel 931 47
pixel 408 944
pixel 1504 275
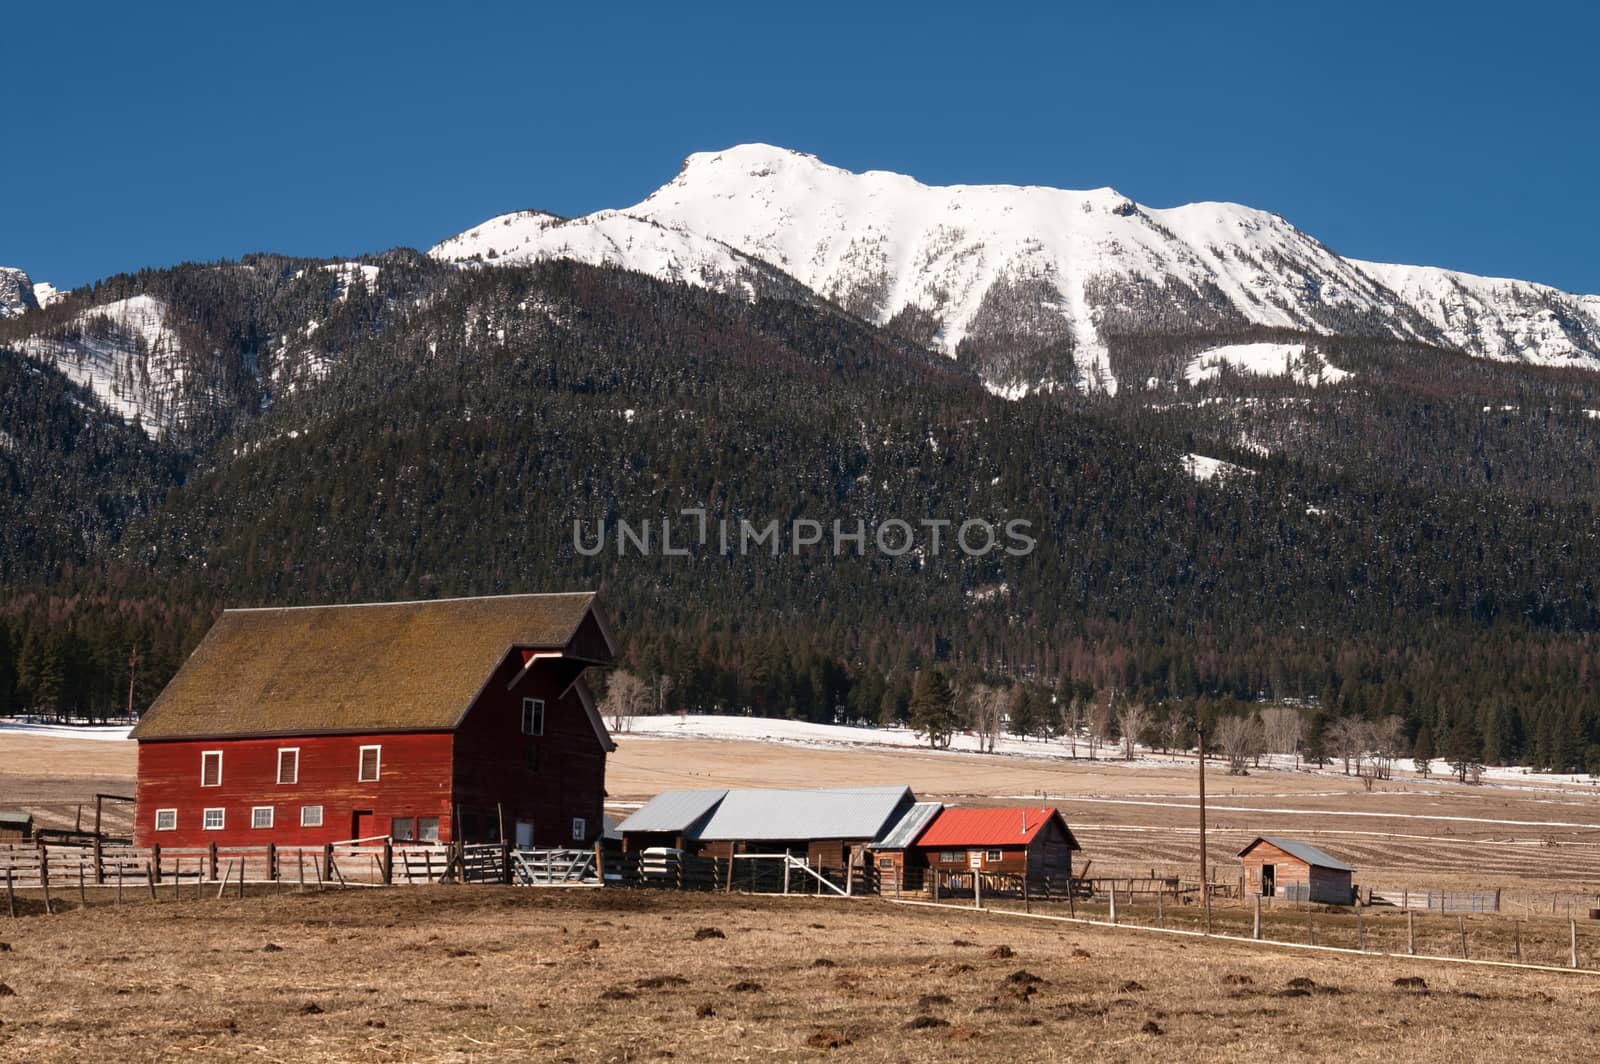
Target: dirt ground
pixel 1539 841
pixel 492 973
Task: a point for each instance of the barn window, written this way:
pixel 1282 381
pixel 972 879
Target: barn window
pixel 427 829
pixel 288 764
pixel 886 862
pixel 215 819
pixel 371 756
pixel 952 857
pixel 991 855
pixel 166 820
pixel 533 716
pixel 530 754
pixel 580 828
pixel 311 816
pixel 261 816
pixel 403 829
pixel 211 768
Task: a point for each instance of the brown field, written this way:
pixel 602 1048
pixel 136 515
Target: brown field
pixel 496 973
pixel 1539 842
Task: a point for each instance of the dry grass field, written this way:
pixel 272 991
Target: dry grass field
pixel 1538 840
pixel 491 973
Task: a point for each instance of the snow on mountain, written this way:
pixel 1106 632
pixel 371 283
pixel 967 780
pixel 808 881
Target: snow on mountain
pixel 612 238
pixel 1201 467
pixel 1295 361
pixel 126 353
pixel 1029 283
pixel 1500 318
pixel 17 293
pixel 1003 268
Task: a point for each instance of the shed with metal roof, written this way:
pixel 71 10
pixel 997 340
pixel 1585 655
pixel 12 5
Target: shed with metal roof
pixel 1276 867
pixel 1033 842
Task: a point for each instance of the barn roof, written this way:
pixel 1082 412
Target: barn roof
pixel 903 832
pixel 1301 850
pixel 678 812
pixel 992 827
pixel 388 666
pixel 824 813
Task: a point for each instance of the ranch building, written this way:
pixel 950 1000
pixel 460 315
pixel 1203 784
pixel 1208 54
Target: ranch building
pixel 1034 842
pixel 439 721
pixel 1283 868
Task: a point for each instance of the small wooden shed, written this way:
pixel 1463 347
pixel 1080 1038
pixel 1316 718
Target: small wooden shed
pixel 1284 868
pixel 15 826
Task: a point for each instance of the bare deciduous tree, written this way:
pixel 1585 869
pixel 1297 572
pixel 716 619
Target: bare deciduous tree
pixel 1100 719
pixel 986 706
pixel 1239 737
pixel 1347 740
pixel 1131 720
pixel 1071 709
pixel 1281 727
pixel 627 697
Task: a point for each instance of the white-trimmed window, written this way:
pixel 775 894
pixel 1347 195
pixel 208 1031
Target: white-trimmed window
pixel 288 764
pixel 311 816
pixel 215 819
pixel 533 716
pixel 261 816
pixel 952 856
pixel 991 855
pixel 166 820
pixel 580 828
pixel 371 764
pixel 211 768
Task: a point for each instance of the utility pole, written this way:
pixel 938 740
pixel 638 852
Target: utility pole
pixel 1205 885
pixel 133 667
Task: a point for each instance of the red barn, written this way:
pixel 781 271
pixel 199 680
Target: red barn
pixel 426 721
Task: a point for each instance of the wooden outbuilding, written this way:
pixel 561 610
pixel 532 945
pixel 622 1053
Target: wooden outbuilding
pixel 828 828
pixel 1284 868
pixel 1034 842
pixel 437 721
pixel 898 866
pixel 15 826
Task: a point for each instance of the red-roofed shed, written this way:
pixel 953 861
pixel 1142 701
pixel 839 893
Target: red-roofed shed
pixel 1033 841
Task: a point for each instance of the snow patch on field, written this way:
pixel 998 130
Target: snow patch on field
pixel 96 732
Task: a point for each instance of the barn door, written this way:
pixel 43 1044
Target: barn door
pixel 1269 880
pixel 361 824
pixel 524 834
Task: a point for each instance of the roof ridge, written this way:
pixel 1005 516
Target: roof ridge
pixel 409 602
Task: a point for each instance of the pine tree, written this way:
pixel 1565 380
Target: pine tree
pixel 1422 753
pixel 933 712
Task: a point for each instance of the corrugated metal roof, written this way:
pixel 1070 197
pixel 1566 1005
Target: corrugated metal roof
pixel 387 666
pixel 991 827
pixel 674 811
pixel 1304 851
pixel 782 815
pixel 904 832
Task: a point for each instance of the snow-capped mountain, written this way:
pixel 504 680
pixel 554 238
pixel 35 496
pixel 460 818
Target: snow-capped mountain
pixel 615 238
pixel 16 292
pixel 1030 282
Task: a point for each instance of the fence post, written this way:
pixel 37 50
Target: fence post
pixel 1573 927
pixel 300 861
pixel 11 894
pixel 272 861
pixel 1516 939
pixel 599 863
pixel 153 866
pixel 786 859
pixel 211 861
pixel 1027 905
pixel 1311 930
pixel 327 862
pixel 44 876
pixel 1361 933
pixel 936 885
pixel 1255 930
pixel 1161 908
pixel 99 863
pixel 1461 923
pixel 977 889
pixel 388 862
pixel 1113 901
pixel 1411 932
pixel 150 875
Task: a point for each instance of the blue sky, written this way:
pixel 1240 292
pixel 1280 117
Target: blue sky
pixel 1460 135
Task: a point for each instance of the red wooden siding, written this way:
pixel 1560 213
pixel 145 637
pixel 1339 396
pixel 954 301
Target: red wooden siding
pixel 414 781
pixel 491 764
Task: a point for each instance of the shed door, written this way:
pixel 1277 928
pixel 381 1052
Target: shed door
pixel 524 834
pixel 1269 880
pixel 361 824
